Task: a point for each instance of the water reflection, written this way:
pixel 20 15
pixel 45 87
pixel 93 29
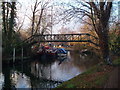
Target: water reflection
pixel 56 72
pixel 37 74
pixel 1 80
pixel 20 80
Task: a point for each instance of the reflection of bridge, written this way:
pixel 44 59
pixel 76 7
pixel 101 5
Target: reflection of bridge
pixel 83 37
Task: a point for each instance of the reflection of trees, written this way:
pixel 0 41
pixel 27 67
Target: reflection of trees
pixel 20 80
pixel 83 61
pixel 36 69
pixel 7 80
pixel 1 80
pixel 37 73
pixel 32 72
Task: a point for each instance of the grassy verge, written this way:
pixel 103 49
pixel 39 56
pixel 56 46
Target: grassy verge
pixel 117 62
pixel 95 77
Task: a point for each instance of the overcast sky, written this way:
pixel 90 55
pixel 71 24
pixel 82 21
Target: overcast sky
pixel 24 8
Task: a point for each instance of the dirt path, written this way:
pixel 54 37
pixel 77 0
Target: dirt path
pixel 114 79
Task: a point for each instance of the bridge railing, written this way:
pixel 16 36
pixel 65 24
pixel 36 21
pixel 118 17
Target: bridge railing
pixel 82 37
pixel 62 37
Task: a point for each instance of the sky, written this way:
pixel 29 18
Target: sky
pixel 24 8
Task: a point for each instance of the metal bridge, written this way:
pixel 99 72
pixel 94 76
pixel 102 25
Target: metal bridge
pixel 82 37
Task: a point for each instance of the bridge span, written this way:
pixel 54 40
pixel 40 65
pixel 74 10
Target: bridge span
pixel 82 37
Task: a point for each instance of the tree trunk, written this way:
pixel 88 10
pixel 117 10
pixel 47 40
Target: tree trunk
pixel 100 20
pixel 33 20
pixel 3 15
pixel 39 22
pixel 11 22
pixel 104 46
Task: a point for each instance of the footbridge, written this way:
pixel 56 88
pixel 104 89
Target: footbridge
pixel 82 37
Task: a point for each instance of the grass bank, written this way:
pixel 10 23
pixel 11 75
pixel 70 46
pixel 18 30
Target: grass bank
pixel 95 77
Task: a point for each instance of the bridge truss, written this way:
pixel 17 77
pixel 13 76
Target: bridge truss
pixel 82 37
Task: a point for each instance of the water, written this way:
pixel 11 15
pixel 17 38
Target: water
pixel 36 74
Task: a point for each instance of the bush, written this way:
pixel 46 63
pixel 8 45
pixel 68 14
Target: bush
pixel 115 45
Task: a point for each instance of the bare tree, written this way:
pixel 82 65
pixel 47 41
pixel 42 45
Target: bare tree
pixel 38 15
pixel 99 12
pixel 34 11
pixel 9 15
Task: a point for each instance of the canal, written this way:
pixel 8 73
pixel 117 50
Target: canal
pixel 49 74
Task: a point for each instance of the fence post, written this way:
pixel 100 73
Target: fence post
pixel 22 54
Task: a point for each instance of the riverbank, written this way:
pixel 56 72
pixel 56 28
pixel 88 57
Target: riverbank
pixel 99 76
pixel 16 61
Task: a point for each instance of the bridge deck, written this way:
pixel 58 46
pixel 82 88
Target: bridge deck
pixel 82 37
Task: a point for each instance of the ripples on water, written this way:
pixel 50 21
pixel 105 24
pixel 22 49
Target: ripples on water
pixel 37 75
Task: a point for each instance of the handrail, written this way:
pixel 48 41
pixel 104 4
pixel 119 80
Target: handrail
pixel 39 35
